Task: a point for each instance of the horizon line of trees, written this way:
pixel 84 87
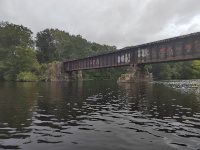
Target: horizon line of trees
pixel 22 57
pixel 25 58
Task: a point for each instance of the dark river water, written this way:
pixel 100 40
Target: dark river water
pixel 100 115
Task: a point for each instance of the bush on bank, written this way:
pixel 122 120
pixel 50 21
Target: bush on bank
pixel 26 77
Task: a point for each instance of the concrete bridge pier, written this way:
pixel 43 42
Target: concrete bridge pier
pixel 136 73
pixel 74 75
pixel 77 75
pixel 55 72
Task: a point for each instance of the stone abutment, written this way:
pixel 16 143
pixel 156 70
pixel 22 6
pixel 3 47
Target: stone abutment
pixel 55 72
pixel 135 74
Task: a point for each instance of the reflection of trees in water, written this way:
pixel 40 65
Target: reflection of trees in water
pixel 136 95
pixel 16 101
pixel 185 86
pixel 165 110
pixel 33 107
pixel 48 110
pixel 58 100
pixel 159 100
pixel 172 103
pixel 16 104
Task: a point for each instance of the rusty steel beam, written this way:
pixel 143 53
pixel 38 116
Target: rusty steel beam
pixel 186 47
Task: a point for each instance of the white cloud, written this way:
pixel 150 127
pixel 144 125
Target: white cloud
pixel 113 22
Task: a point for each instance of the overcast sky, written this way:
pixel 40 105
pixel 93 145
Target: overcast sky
pixel 113 22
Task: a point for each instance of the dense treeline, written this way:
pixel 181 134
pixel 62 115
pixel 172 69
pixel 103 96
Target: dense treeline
pixel 24 58
pixel 176 70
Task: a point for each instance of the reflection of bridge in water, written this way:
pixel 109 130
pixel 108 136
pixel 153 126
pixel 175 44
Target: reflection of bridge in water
pixel 186 47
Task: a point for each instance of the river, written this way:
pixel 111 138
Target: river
pixel 100 115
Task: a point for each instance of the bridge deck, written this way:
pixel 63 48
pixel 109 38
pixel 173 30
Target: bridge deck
pixel 186 47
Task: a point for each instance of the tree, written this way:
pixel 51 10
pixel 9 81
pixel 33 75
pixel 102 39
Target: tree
pixel 99 49
pixel 62 44
pixel 16 50
pixel 196 68
pixel 161 71
pixel 57 45
pixel 80 47
pixel 176 70
pixel 23 60
pixel 45 46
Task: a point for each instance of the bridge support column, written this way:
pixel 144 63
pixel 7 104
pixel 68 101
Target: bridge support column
pixel 77 75
pixel 135 74
pixel 55 72
pixel 74 75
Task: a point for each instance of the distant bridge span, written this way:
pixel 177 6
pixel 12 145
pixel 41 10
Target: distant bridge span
pixel 186 47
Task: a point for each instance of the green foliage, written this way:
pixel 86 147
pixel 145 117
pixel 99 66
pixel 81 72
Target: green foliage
pixel 52 69
pixel 187 70
pixel 62 44
pixel 46 46
pixel 97 48
pixel 196 68
pixel 149 67
pixel 161 71
pixel 56 45
pixel 23 60
pixel 19 60
pixel 26 76
pixel 43 68
pixel 12 35
pixel 44 77
pixel 176 70
pixel 42 72
pixel 74 78
pixel 16 51
pixel 104 73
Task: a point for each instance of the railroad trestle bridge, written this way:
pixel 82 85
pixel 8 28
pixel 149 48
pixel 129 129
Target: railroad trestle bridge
pixel 181 48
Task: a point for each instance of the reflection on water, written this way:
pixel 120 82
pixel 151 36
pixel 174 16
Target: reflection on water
pixel 100 115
